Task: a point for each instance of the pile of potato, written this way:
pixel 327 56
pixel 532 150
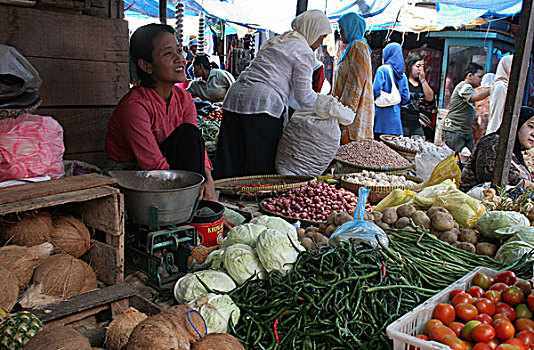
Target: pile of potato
pixel 314 236
pixel 436 220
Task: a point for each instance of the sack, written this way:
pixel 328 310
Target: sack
pixel 386 99
pixel 425 163
pixel 30 146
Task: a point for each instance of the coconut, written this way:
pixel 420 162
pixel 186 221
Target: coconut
pixel 70 236
pixel 179 313
pixel 215 341
pixel 59 337
pixel 91 283
pixel 32 229
pixel 21 261
pixel 61 275
pixel 34 298
pixel 10 289
pixel 119 330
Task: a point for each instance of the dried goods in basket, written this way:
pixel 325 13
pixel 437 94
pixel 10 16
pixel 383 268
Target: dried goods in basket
pixel 260 185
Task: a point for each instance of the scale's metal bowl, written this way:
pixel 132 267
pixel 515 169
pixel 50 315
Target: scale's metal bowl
pixel 173 192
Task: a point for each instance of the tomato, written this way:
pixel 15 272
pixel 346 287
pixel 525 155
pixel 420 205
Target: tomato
pixel 499 287
pixel 482 280
pixel 525 286
pixel 497 316
pixel 468 345
pixel 507 347
pixel 465 334
pixel 481 346
pixel 513 296
pixel 524 324
pixel 483 333
pixel 485 306
pixel 506 277
pixel 476 292
pixel 527 337
pixel 445 313
pixel 453 342
pixel 462 298
pixel 422 337
pixel 504 329
pixel 455 293
pixel 493 344
pixel 517 342
pixel 484 318
pixel 466 312
pixel 493 295
pixel 439 331
pixel 507 310
pixel 522 311
pixel 429 324
pixel 457 327
pixel 530 301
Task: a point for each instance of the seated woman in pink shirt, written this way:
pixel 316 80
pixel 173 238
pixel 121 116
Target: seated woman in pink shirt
pixel 155 124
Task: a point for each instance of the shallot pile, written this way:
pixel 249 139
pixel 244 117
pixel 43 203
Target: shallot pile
pixel 371 153
pixel 312 202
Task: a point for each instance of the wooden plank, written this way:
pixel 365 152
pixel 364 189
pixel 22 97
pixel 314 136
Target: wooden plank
pixel 302 5
pixel 75 317
pixel 84 129
pixel 117 307
pixel 514 96
pixel 86 301
pixel 107 261
pixel 56 186
pixel 145 306
pixel 94 158
pixel 84 83
pixel 103 214
pixel 117 244
pixel 56 199
pixel 87 38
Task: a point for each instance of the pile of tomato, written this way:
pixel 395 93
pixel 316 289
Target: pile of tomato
pixel 493 314
pixel 215 115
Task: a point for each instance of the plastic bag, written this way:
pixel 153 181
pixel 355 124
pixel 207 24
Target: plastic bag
pixel 359 230
pixel 425 163
pixel 13 63
pixel 31 146
pixel 395 198
pixel 328 107
pixel 464 209
pixel 447 169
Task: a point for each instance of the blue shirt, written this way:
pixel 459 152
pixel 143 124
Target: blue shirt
pixel 388 119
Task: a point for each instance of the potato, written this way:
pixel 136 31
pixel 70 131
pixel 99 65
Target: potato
pixel 402 222
pixel 322 241
pixel 368 217
pixel 448 236
pixel 405 210
pixel 342 218
pixel 434 210
pixel 330 229
pixel 300 232
pixel 330 218
pixel 322 227
pixel 457 244
pixel 456 225
pixel 311 228
pixel 384 226
pixel 317 236
pixel 486 249
pixel 468 247
pixel 307 243
pixel 442 221
pixel 468 235
pixel 421 219
pixel 389 216
pixel 377 215
pixel 409 228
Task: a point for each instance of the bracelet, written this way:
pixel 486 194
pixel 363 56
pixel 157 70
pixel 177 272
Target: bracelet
pixel 422 81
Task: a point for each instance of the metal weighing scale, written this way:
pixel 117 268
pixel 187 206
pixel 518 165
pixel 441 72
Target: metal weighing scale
pixel 158 204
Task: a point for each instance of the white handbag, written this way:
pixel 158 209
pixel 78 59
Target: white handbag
pixel 386 99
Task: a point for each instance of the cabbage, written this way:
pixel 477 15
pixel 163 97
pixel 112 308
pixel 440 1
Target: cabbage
pixel 517 246
pixel 245 234
pixel 277 224
pixel 215 259
pixel 276 251
pixel 241 262
pixel 217 311
pixel 490 223
pixel 188 288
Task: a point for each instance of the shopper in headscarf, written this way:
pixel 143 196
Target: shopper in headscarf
pixel 481 165
pixel 498 93
pixel 354 80
pixel 256 106
pixel 388 119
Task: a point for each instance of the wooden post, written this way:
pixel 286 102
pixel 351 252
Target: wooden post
pixel 514 96
pixel 302 5
pixel 163 11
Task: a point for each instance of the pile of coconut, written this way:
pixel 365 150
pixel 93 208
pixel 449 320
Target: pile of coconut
pixel 40 262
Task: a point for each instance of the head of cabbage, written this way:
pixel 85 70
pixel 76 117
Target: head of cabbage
pixel 277 224
pixel 189 287
pixel 277 250
pixel 217 310
pixel 215 259
pixel 492 222
pixel 241 262
pixel 517 246
pixel 244 234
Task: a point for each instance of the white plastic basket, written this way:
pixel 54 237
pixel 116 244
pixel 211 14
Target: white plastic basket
pixel 403 331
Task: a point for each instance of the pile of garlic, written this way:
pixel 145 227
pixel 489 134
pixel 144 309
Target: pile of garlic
pixel 418 145
pixel 371 178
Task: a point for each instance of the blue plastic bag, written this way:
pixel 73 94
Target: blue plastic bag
pixel 359 230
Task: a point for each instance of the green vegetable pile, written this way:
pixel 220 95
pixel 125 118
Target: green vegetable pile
pixel 345 297
pixel 210 131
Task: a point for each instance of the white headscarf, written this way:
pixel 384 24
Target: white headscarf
pixel 307 27
pixel 503 69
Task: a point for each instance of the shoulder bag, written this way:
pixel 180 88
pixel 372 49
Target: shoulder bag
pixel 386 99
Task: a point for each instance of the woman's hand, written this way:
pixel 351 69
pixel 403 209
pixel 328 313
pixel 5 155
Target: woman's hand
pixel 227 223
pixel 207 190
pixel 422 75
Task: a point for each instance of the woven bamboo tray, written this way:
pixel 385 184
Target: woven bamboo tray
pixel 287 218
pixel 279 183
pixel 344 167
pixel 405 150
pixel 377 193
